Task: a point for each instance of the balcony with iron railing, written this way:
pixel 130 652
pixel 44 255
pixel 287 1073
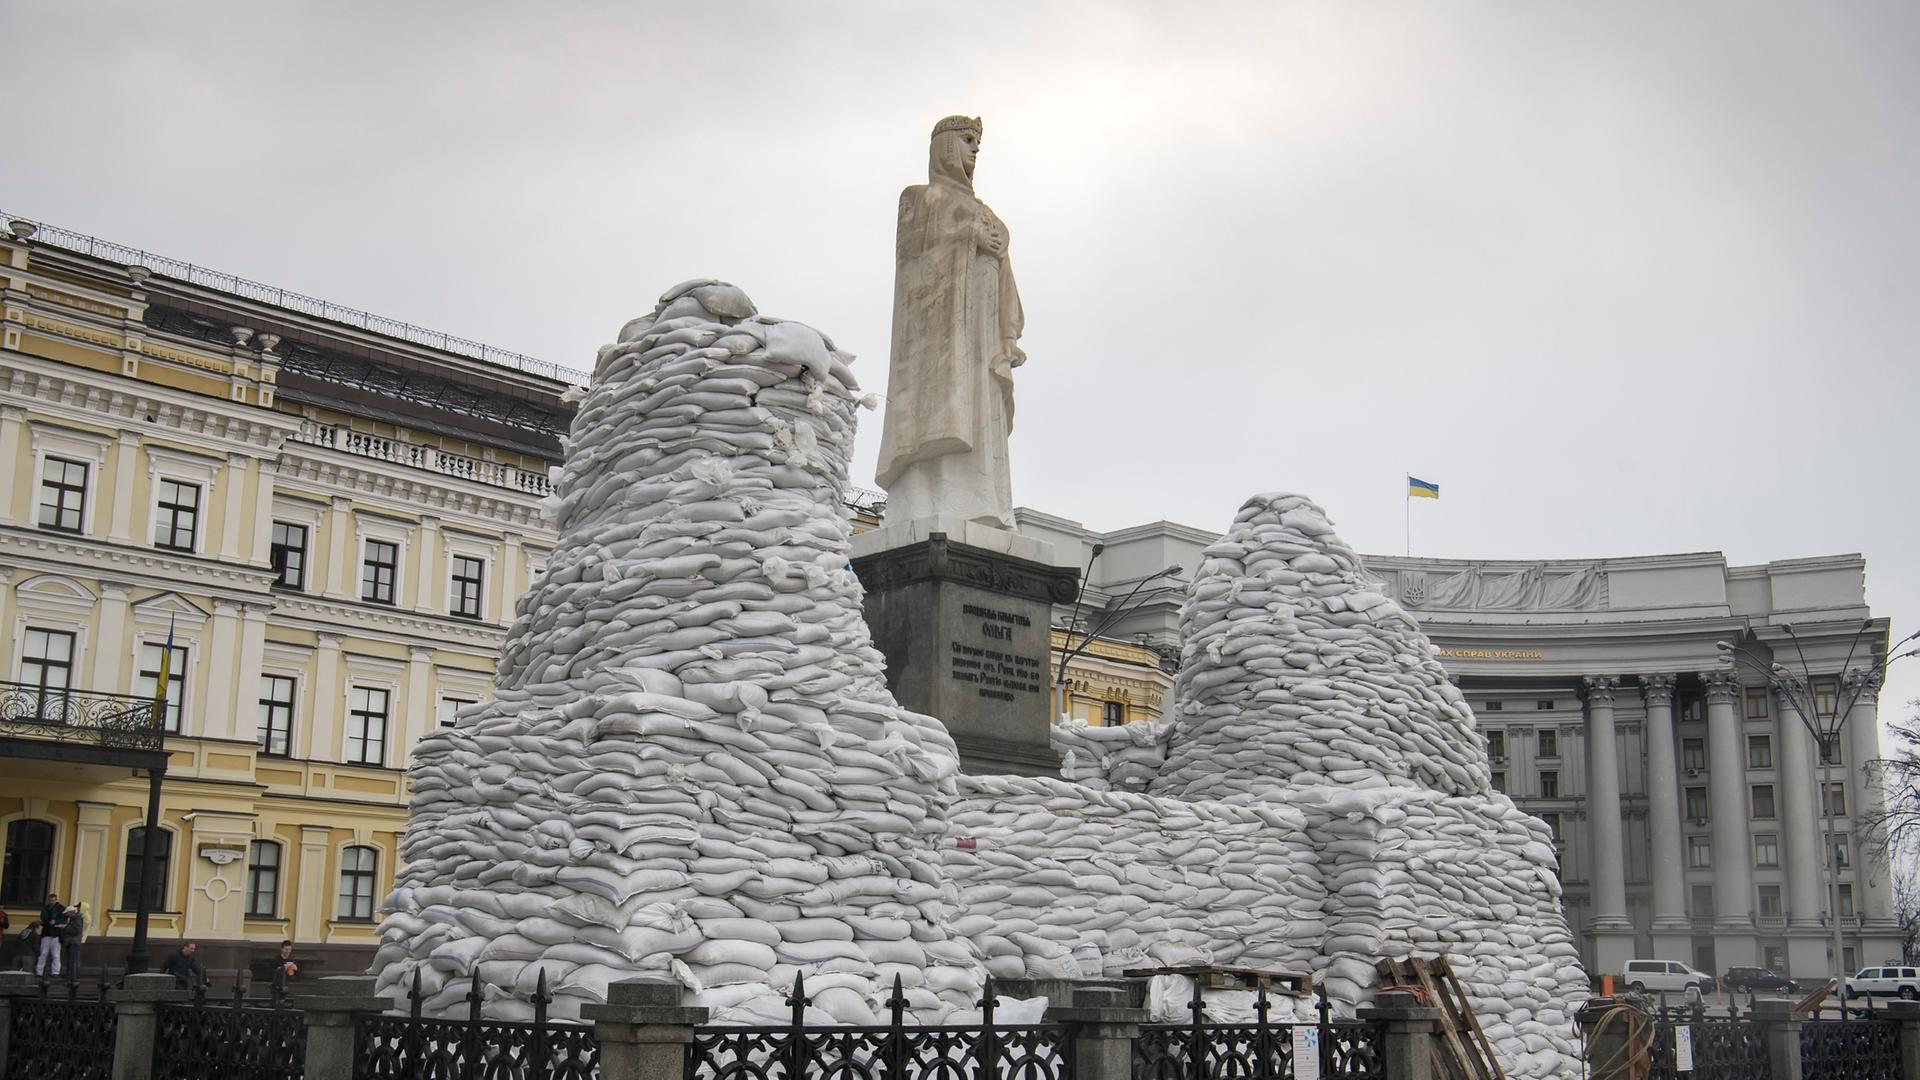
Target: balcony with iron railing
pixel 65 724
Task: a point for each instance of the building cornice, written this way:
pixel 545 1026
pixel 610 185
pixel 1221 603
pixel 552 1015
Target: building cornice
pixel 321 614
pixel 85 396
pixel 65 553
pixel 328 473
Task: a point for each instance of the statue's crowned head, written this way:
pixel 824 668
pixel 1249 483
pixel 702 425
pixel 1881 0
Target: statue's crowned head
pixel 956 142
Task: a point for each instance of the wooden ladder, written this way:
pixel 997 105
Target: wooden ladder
pixel 1462 1051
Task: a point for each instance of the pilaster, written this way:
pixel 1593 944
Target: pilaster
pixel 343 559
pixel 310 909
pixel 125 479
pixel 429 587
pixel 320 736
pixel 90 874
pixel 234 489
pixel 253 647
pixel 513 570
pixel 218 702
pixel 12 452
pixel 260 551
pixel 419 698
pixel 110 643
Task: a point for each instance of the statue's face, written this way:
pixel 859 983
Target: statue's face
pixel 969 150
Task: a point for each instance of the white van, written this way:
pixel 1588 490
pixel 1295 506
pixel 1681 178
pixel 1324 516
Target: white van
pixel 1665 976
pixel 1904 981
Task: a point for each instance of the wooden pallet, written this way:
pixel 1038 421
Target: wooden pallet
pixel 1462 1052
pixel 1218 977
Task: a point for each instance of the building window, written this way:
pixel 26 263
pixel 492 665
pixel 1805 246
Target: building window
pixel 1693 754
pixel 1500 782
pixel 1494 706
pixel 1697 804
pixel 149 681
pixel 1770 900
pixel 356 884
pixel 1840 856
pixel 157 888
pixel 1850 963
pixel 1774 957
pixel 1543 706
pixel 27 874
pixel 450 708
pixel 1703 901
pixel 1766 849
pixel 1846 901
pixel 1699 852
pixel 1113 713
pixel 467 575
pixel 1549 783
pixel 1756 703
pixel 1759 752
pixel 1826 698
pixel 176 519
pixel 263 879
pixel 1553 825
pixel 1549 744
pixel 1835 802
pixel 378 570
pixel 367 726
pixel 1763 800
pixel 276 715
pixel 1496 744
pixel 1830 750
pixel 289 555
pixel 63 496
pixel 46 664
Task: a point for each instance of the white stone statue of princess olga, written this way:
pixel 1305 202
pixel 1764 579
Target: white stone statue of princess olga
pixel 956 334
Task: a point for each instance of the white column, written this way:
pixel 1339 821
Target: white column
pixel 1864 801
pixel 419 702
pixel 110 643
pixel 430 582
pixel 1663 809
pixel 126 460
pixel 234 488
pixel 343 557
pixel 253 647
pixel 320 735
pixel 1727 798
pixel 261 553
pixel 1610 926
pixel 217 700
pixel 12 450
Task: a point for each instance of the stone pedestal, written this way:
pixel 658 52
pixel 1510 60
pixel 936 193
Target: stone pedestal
pixel 965 626
pixel 1782 1026
pixel 330 1006
pixel 643 1030
pixel 1407 1049
pixel 1104 1025
pixel 136 1023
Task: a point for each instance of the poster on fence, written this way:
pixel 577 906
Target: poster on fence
pixel 1682 1049
pixel 1306 1052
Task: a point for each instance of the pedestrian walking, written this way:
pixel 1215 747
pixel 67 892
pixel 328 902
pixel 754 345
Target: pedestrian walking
pixel 53 920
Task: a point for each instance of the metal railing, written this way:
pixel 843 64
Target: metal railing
pixel 391 1047
pixel 66 1036
pixel 1198 1050
pixel 112 721
pixel 94 247
pixel 235 1041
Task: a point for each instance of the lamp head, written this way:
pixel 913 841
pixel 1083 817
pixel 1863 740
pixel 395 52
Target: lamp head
pixel 1097 549
pixel 1787 626
pixel 1724 646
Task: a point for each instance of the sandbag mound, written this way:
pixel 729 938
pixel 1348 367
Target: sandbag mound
pixel 691 764
pixel 1123 758
pixel 1292 663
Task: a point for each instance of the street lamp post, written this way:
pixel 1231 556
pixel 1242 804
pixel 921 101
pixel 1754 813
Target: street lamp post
pixel 1111 616
pixel 1796 688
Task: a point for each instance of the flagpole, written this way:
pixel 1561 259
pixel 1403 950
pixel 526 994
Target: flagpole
pixel 1408 496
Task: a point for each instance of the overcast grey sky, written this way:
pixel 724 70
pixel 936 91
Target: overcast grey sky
pixel 1621 278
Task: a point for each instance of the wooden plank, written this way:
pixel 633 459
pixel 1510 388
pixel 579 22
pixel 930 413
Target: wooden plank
pixel 1454 1027
pixel 1448 1056
pixel 1477 1035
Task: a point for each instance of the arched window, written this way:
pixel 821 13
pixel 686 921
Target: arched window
pixel 28 873
pixel 156 889
pixel 263 879
pixel 356 883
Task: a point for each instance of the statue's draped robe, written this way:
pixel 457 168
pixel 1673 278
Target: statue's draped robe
pixel 956 328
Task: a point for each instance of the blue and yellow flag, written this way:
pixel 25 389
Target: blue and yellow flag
pixel 1420 489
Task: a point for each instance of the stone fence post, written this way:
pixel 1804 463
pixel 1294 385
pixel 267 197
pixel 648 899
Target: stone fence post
pixel 1407 1047
pixel 643 1030
pixel 13 984
pixel 330 1005
pixel 1103 1024
pixel 136 1022
pixel 1782 1027
pixel 1908 1014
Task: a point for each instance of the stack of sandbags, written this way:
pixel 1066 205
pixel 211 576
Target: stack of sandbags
pixel 1057 881
pixel 1122 758
pixel 691 765
pixel 1291 662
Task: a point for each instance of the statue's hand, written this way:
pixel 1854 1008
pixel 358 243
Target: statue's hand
pixel 993 237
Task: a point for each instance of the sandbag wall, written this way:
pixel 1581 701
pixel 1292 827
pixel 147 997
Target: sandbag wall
pixel 691 764
pixel 1124 758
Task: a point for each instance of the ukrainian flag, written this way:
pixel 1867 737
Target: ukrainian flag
pixel 1420 489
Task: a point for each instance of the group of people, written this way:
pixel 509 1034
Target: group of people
pixel 188 974
pixel 53 939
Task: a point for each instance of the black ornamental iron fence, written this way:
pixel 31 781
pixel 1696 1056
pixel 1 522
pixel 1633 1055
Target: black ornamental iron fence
pixel 1860 1048
pixel 1262 1050
pixel 65 1032
pixel 410 1047
pixel 1731 1047
pixel 894 1051
pixel 237 1040
pixel 112 721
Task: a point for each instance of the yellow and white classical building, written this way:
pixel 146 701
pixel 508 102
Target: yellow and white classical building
pixel 332 514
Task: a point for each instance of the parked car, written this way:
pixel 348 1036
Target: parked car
pixel 1666 976
pixel 1753 978
pixel 1904 981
